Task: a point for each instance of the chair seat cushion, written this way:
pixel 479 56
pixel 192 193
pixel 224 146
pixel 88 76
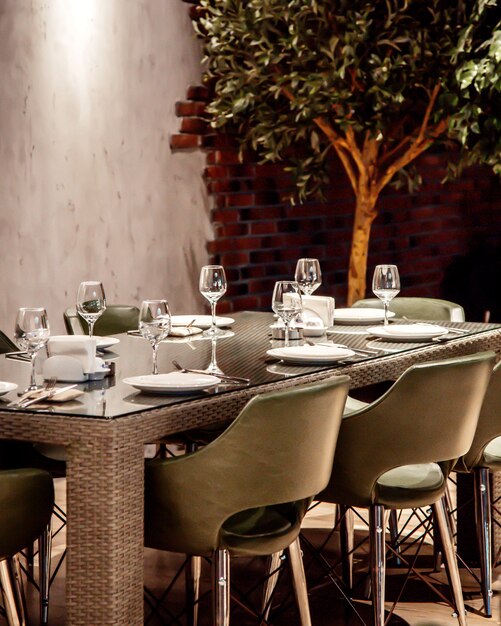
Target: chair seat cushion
pixel 410 485
pixel 492 454
pixel 262 530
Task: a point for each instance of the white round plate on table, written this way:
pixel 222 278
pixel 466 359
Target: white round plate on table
pixel 172 383
pixel 103 343
pixel 311 354
pixel 407 332
pixel 6 387
pixel 200 321
pixel 360 315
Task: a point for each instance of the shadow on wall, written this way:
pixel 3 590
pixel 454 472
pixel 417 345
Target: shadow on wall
pixel 474 280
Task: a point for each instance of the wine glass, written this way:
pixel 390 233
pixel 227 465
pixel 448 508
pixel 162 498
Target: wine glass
pixel 154 325
pixel 91 302
pixel 286 303
pixel 308 275
pixel 212 285
pixel 386 285
pixel 32 334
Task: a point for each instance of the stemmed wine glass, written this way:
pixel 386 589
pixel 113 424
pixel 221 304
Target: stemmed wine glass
pixel 286 303
pixel 154 325
pixel 91 302
pixel 212 285
pixel 308 275
pixel 32 334
pixel 386 285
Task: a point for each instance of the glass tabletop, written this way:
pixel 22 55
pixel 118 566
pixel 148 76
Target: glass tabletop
pixel 242 351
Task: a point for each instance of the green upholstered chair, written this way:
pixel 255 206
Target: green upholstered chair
pixel 26 501
pixel 246 492
pixel 397 453
pixel 117 318
pixel 419 308
pixel 483 457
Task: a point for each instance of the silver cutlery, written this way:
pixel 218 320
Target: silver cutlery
pixel 361 351
pixel 48 392
pixel 223 377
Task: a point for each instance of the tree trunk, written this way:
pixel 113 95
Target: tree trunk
pixel 365 213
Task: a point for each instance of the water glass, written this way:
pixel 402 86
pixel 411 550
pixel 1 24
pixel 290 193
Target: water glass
pixel 32 333
pixel 154 325
pixel 212 286
pixel 308 275
pixel 91 302
pixel 386 285
pixel 286 303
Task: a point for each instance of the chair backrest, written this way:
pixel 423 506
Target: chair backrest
pixel 419 308
pixel 489 423
pixel 429 415
pixel 278 450
pixel 117 318
pixel 6 345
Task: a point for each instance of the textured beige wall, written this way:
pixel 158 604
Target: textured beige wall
pixel 88 186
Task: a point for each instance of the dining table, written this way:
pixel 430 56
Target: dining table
pixel 105 429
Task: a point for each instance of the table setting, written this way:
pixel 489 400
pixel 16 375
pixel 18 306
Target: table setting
pixel 105 429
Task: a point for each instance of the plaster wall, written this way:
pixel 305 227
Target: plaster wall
pixel 89 189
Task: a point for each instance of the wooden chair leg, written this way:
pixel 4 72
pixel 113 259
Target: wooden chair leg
pixel 272 573
pixel 347 540
pixel 299 582
pixel 192 573
pixel 450 559
pixel 12 592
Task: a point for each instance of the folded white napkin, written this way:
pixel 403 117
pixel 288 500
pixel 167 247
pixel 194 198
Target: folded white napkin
pixel 184 331
pixel 80 347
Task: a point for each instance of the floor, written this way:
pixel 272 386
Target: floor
pixel 417 607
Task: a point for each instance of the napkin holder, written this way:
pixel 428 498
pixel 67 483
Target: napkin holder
pixel 69 369
pixel 318 306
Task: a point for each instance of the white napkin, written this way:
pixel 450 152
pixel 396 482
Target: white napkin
pixel 319 306
pixel 184 331
pixel 80 347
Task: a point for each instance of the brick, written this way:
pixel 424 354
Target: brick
pixel 190 109
pixel 195 126
pixel 184 142
pixel 198 92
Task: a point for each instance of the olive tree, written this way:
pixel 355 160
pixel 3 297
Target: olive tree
pixel 376 82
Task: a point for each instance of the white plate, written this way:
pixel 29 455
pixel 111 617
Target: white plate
pixel 360 316
pixel 201 321
pixel 103 343
pixel 172 383
pixel 310 354
pixel 6 387
pixel 407 332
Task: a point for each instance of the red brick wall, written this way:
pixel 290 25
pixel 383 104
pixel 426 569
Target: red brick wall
pixel 258 235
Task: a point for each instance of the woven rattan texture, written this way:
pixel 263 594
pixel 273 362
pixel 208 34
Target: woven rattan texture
pixel 105 477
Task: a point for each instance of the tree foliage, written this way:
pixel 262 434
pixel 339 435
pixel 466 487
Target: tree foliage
pixel 378 82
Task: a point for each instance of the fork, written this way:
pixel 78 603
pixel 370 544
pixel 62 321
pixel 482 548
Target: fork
pixel 40 393
pixel 235 379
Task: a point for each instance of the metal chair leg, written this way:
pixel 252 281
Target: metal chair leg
pixel 483 522
pixel 347 535
pixel 272 572
pixel 13 595
pixel 44 557
pixel 451 564
pixel 378 550
pixel 192 581
pixel 221 594
pixel 299 582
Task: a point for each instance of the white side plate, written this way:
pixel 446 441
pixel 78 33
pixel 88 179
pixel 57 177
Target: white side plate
pixel 172 383
pixel 6 387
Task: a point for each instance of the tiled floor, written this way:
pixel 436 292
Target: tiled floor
pixel 418 607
